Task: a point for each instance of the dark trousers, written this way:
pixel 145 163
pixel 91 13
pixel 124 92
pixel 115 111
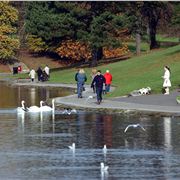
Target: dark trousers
pixel 99 93
pixel 79 89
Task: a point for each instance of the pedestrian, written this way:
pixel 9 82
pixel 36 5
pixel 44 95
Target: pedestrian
pixel 32 74
pixel 93 74
pixel 75 77
pixel 81 79
pixel 39 73
pixel 47 71
pixel 108 78
pixel 99 81
pixel 166 77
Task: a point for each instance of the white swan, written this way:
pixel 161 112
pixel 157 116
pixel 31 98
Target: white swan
pixel 104 169
pixel 34 109
pixel 105 149
pixel 22 109
pixel 47 108
pixel 73 147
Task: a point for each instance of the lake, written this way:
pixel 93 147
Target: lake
pixel 35 145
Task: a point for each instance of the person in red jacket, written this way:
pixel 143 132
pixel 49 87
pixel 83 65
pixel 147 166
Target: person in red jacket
pixel 108 78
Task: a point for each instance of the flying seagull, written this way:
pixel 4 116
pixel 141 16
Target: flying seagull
pixel 134 126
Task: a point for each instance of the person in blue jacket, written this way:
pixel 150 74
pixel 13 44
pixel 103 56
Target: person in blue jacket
pixel 81 79
pixel 99 81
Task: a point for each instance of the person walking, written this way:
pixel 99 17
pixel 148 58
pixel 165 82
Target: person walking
pixel 32 74
pixel 47 71
pixel 166 77
pixel 81 79
pixel 93 74
pixel 39 73
pixel 99 80
pixel 108 78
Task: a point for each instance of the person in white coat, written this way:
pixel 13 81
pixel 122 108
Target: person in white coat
pixel 32 74
pixel 166 77
pixel 46 69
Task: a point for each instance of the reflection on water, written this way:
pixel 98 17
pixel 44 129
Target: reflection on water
pixel 12 96
pixel 35 146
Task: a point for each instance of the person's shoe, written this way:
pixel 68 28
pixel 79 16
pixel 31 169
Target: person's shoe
pixel 98 102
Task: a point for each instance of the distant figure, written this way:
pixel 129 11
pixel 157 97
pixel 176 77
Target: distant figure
pixel 108 78
pixel 81 79
pixel 99 80
pixel 39 74
pixel 93 74
pixel 46 69
pixel 75 77
pixel 32 74
pixel 167 82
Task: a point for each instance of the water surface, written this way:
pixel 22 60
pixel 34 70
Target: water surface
pixel 35 146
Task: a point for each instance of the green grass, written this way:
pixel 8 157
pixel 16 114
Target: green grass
pixel 162 38
pixel 135 73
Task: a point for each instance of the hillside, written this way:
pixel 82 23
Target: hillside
pixel 137 72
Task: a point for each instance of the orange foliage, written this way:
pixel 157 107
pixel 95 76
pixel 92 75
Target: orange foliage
pixel 74 50
pixel 112 53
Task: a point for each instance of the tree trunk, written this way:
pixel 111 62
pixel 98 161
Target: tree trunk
pixel 138 44
pixel 96 55
pixel 152 28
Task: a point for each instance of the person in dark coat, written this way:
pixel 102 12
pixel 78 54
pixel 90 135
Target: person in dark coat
pixel 81 79
pixel 40 74
pixel 99 81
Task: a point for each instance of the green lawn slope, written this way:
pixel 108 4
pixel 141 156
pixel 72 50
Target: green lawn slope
pixel 135 73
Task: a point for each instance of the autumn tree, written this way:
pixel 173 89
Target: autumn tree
pixel 9 42
pixel 93 23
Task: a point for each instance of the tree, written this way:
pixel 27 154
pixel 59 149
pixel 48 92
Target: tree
pixel 135 22
pixel 153 12
pixel 9 42
pixel 175 21
pixel 93 23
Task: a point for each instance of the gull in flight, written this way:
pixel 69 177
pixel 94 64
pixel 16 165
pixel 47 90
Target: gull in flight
pixel 72 147
pixel 134 126
pixel 104 169
pixel 104 149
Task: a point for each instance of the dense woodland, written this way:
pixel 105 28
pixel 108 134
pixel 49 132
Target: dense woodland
pixel 83 31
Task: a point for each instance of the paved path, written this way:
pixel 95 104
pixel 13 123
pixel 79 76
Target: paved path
pixel 150 103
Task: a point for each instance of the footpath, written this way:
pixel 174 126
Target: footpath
pixel 158 103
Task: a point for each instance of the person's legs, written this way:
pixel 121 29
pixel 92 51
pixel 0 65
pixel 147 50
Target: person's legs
pixel 98 94
pixel 107 88
pixel 79 89
pixel 166 90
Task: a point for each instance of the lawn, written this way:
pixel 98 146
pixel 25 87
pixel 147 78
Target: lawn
pixel 135 73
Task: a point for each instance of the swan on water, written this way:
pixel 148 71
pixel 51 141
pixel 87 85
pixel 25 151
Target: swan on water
pixel 22 108
pixel 34 109
pixel 104 169
pixel 104 149
pixel 47 108
pixel 72 147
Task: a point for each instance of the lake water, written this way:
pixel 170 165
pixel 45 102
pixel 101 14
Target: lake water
pixel 35 146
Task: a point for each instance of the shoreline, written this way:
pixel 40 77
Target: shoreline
pixel 113 105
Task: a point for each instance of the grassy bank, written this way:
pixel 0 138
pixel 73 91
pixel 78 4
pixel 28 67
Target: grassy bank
pixel 135 73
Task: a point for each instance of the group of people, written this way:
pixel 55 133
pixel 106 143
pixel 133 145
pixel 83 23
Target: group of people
pixel 42 74
pixel 98 83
